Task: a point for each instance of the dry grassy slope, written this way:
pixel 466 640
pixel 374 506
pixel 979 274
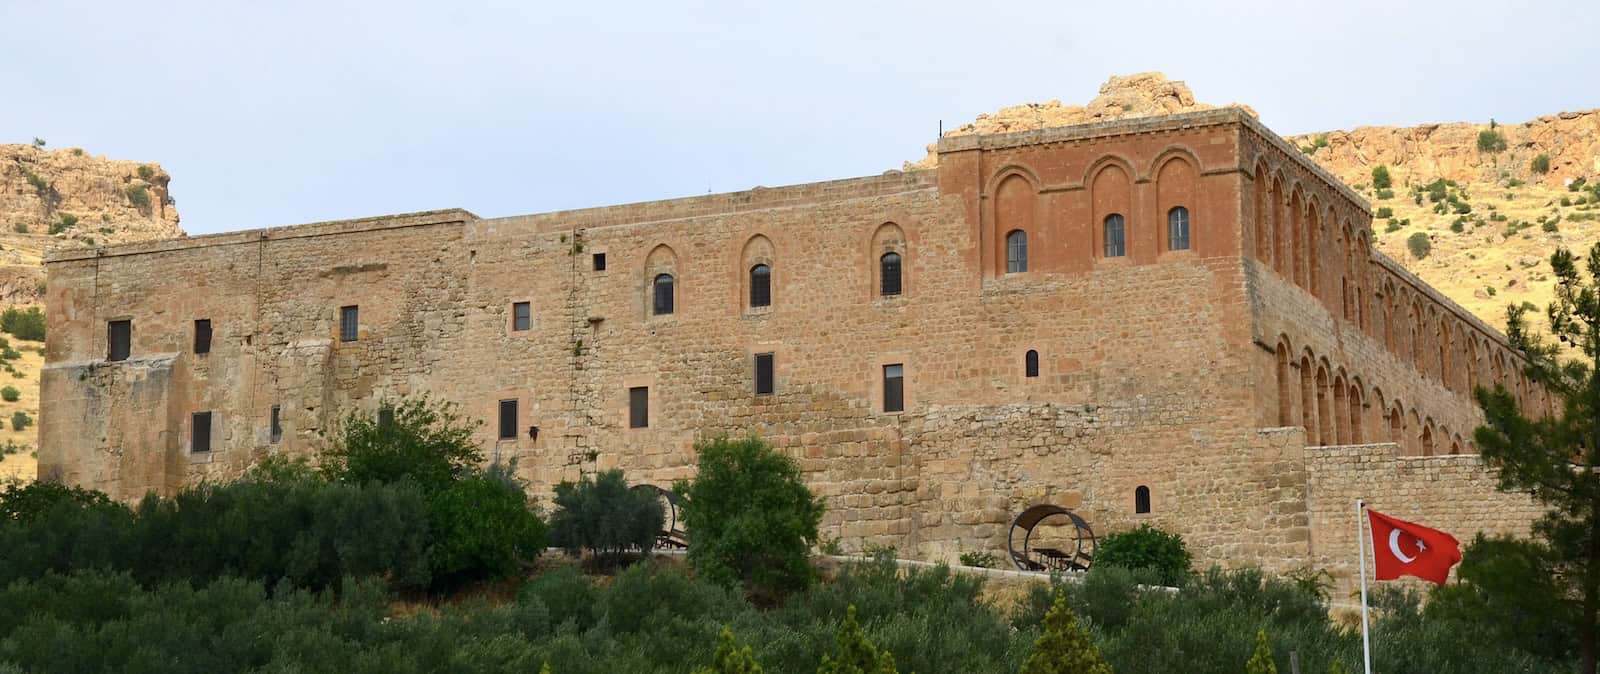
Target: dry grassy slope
pixel 106 201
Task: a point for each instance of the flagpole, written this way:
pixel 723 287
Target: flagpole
pixel 1361 556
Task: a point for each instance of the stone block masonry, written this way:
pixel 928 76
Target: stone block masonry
pixel 902 321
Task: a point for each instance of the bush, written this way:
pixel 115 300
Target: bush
pixel 1504 585
pixel 1064 648
pixel 605 517
pixel 857 655
pixel 482 526
pixel 10 394
pixel 23 323
pixel 146 172
pixel 729 659
pixel 1419 244
pixel 139 197
pixel 20 420
pixel 1385 194
pixel 416 439
pixel 1541 164
pixel 1490 140
pixel 1380 177
pixel 984 560
pixel 20 228
pixel 1261 661
pixel 1384 212
pixel 1146 548
pixel 1550 227
pixel 1457 227
pixel 751 517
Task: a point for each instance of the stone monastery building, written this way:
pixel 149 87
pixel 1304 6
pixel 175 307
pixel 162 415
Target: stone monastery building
pixel 1177 320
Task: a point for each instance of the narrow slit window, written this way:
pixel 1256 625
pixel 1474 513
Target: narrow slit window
pixel 119 338
pixel 662 305
pixel 1141 500
pixel 202 336
pixel 276 424
pixel 760 286
pixel 508 419
pixel 1178 229
pixel 639 407
pixel 889 274
pixel 200 433
pixel 599 261
pixel 349 323
pixel 1030 363
pixel 764 374
pixel 894 392
pixel 1016 252
pixel 385 417
pixel 1115 244
pixel 521 316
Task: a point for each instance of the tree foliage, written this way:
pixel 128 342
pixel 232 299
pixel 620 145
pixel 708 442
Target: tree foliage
pixel 750 516
pixel 605 517
pixel 1146 548
pixel 482 526
pixel 1380 177
pixel 1419 244
pixel 730 659
pixel 857 655
pixel 23 323
pixel 416 439
pixel 1541 164
pixel 1064 648
pixel 1261 661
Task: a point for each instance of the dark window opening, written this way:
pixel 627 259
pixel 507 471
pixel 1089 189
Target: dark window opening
pixel 521 316
pixel 200 433
pixel 1016 252
pixel 889 274
pixel 1030 363
pixel 764 374
pixel 120 337
pixel 639 407
pixel 894 392
pixel 385 416
pixel 1115 245
pixel 663 295
pixel 1178 229
pixel 202 336
pixel 1141 500
pixel 760 286
pixel 508 420
pixel 349 323
pixel 599 261
pixel 277 424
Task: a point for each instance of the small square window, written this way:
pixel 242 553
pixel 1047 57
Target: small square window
pixel 599 261
pixel 202 336
pixel 894 392
pixel 521 316
pixel 119 335
pixel 508 420
pixel 349 323
pixel 200 433
pixel 764 375
pixel 277 424
pixel 639 407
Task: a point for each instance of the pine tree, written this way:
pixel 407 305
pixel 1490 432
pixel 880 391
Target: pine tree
pixel 1064 647
pixel 856 654
pixel 1261 662
pixel 1550 456
pixel 728 659
pixel 1337 667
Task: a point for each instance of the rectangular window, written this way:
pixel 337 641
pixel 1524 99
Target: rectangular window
pixel 639 407
pixel 385 417
pixel 508 419
pixel 599 261
pixel 349 323
pixel 200 433
pixel 277 425
pixel 119 337
pixel 521 316
pixel 894 391
pixel 764 378
pixel 202 336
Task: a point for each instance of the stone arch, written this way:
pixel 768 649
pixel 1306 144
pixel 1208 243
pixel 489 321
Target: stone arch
pixel 1263 233
pixel 661 261
pixel 1280 235
pixel 1387 310
pixel 1413 433
pixel 1297 229
pixel 886 239
pixel 1356 410
pixel 1427 438
pixel 1325 425
pixel 1446 343
pixel 1397 426
pixel 757 251
pixel 1177 184
pixel 1315 239
pixel 1341 408
pixel 1285 399
pixel 1111 192
pixel 1016 207
pixel 1417 319
pixel 1472 364
pixel 1308 397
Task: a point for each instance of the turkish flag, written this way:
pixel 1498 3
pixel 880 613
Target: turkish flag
pixel 1400 548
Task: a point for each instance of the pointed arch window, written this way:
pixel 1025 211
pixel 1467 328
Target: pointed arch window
pixel 662 305
pixel 760 286
pixel 1030 363
pixel 889 274
pixel 1178 229
pixel 1016 252
pixel 1115 243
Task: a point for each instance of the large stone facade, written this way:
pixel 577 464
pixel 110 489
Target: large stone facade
pixel 1242 380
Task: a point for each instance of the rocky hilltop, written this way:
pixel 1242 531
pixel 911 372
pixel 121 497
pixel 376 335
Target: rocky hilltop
pixel 1490 200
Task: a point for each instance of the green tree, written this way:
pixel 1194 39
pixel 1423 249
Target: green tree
pixel 1337 667
pixel 1550 455
pixel 23 323
pixel 482 526
pixel 1380 177
pixel 1261 662
pixel 20 420
pixel 1541 164
pixel 730 659
pixel 602 515
pixel 1419 244
pixel 856 654
pixel 751 517
pixel 10 394
pixel 415 439
pixel 1146 548
pixel 1064 647
pixel 1491 141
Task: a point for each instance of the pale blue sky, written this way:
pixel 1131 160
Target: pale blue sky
pixel 270 113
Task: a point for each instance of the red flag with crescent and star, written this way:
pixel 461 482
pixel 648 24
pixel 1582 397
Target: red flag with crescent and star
pixel 1401 548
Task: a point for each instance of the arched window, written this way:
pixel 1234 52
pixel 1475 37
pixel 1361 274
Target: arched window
pixel 1016 252
pixel 1141 500
pixel 1115 246
pixel 1178 229
pixel 1030 363
pixel 889 274
pixel 760 286
pixel 663 295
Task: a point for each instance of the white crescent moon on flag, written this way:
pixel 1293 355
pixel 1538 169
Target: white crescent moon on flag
pixel 1394 547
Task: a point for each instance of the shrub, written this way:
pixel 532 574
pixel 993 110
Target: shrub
pixel 750 515
pixel 1505 585
pixel 1064 648
pixel 1146 548
pixel 1541 164
pixel 1393 226
pixel 1261 662
pixel 1380 177
pixel 38 142
pixel 1457 227
pixel 1385 194
pixel 1551 227
pixel 729 659
pixel 416 439
pixel 605 517
pixel 1419 244
pixel 985 560
pixel 1490 140
pixel 146 172
pixel 20 228
pixel 139 197
pixel 23 503
pixel 23 323
pixel 20 420
pixel 10 394
pixel 1565 201
pixel 482 526
pixel 1384 212
pixel 856 654
pixel 1491 290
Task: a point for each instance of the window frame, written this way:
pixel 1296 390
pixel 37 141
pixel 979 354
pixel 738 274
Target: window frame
pixel 114 354
pixel 521 322
pixel 1178 217
pixel 275 425
pixel 507 426
pixel 1141 500
pixel 657 306
pixel 884 276
pixel 1030 364
pixel 638 407
pixel 770 374
pixel 598 261
pixel 1016 252
pixel 196 420
pixel 763 272
pixel 350 323
pixel 894 388
pixel 202 336
pixel 1121 238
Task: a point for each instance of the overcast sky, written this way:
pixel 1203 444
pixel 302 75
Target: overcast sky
pixel 272 113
